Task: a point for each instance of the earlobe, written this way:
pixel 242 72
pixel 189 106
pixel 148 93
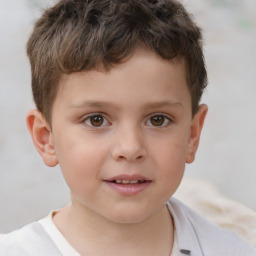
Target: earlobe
pixel 42 137
pixel 196 128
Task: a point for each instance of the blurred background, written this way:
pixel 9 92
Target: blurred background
pixel 29 190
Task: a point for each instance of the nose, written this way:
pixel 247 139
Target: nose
pixel 129 145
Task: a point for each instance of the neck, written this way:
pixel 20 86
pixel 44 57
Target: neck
pixel 92 234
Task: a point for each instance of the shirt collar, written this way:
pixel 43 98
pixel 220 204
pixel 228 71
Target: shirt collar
pixel 188 242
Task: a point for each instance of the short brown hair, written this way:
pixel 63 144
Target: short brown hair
pixel 79 35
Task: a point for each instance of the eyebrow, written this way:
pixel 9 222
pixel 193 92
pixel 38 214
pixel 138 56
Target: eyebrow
pixel 103 104
pixel 166 103
pixel 94 104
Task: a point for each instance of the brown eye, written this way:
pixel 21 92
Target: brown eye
pixel 96 120
pixel 159 121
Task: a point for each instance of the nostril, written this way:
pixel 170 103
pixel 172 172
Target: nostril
pixel 121 153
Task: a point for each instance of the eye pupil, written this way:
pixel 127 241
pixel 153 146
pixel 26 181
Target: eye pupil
pixel 157 120
pixel 96 120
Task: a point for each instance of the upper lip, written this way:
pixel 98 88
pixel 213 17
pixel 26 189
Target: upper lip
pixel 128 177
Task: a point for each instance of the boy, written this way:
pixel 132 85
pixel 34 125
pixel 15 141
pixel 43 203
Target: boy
pixel 117 85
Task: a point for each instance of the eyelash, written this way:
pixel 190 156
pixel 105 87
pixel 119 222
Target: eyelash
pixel 166 123
pixel 89 119
pixel 167 120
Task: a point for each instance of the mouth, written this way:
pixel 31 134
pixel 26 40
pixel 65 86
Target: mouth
pixel 125 179
pixel 128 184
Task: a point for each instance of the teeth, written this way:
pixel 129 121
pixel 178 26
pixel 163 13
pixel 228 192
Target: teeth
pixel 128 181
pixel 134 181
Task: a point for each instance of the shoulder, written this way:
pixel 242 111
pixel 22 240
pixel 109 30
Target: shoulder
pixel 29 240
pixel 204 235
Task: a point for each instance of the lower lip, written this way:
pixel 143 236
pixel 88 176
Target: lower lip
pixel 129 190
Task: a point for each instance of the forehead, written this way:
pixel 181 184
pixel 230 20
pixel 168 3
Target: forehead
pixel 145 76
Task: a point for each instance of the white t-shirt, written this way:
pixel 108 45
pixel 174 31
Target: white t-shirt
pixel 194 235
pixel 61 243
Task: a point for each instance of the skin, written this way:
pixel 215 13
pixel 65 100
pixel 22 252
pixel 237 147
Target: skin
pixel 144 126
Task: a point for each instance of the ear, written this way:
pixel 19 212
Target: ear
pixel 195 132
pixel 42 137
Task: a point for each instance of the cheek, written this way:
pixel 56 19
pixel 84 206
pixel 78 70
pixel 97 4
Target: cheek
pixel 79 152
pixel 81 163
pixel 170 159
pixel 172 164
pixel 171 153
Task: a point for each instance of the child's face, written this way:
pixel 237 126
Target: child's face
pixel 132 123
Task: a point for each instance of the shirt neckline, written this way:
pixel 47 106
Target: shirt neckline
pixel 64 246
pixel 60 241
